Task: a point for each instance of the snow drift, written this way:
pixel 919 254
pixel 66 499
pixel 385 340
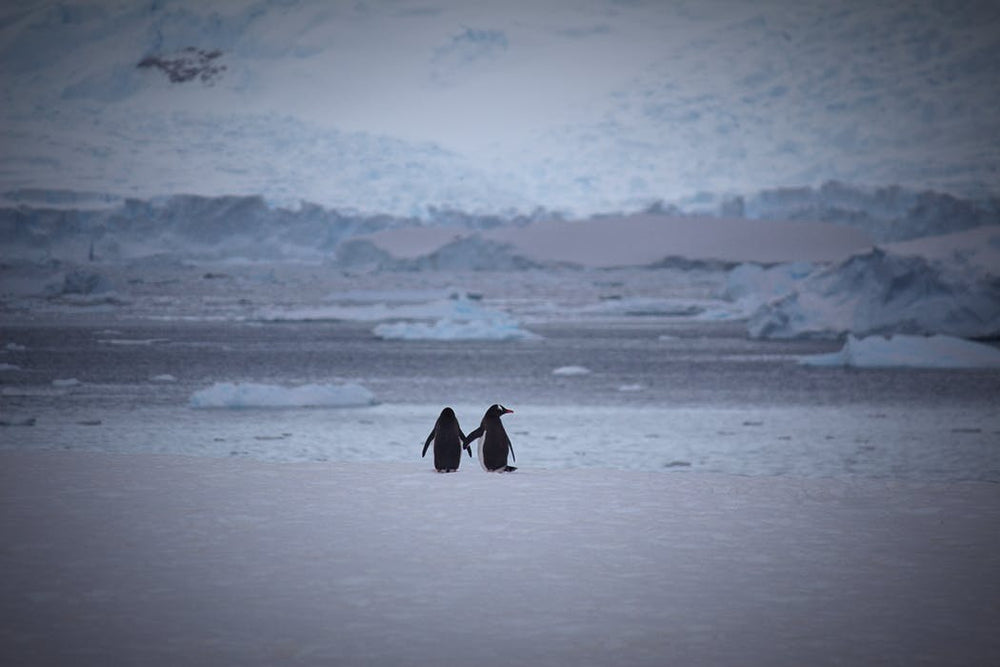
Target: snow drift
pixel 909 352
pixel 252 395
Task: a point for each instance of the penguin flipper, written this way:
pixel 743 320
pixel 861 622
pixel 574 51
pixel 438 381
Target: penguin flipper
pixel 427 443
pixel 472 436
pixel 512 457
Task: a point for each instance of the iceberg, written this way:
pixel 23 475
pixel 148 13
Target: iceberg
pixel 460 318
pixel 251 395
pixel 751 285
pixel 909 352
pixel 885 292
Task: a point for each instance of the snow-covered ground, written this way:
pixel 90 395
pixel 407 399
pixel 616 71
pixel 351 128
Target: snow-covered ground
pixel 165 560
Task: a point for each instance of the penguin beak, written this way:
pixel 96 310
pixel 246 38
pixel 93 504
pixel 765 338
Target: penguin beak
pixel 507 412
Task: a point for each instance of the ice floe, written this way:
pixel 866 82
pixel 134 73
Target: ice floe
pixel 909 351
pixel 571 370
pixel 252 395
pixel 499 327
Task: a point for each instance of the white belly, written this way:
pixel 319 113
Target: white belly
pixel 479 451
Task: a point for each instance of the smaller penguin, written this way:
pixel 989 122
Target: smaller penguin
pixel 494 443
pixel 448 442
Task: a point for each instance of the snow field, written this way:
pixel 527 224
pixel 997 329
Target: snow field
pixel 168 560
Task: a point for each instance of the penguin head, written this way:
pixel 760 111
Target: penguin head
pixel 447 416
pixel 497 410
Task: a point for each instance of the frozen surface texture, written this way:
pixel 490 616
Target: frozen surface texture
pixel 161 561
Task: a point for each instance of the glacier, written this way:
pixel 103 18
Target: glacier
pixel 629 104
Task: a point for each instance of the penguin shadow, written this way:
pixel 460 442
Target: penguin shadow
pixel 493 444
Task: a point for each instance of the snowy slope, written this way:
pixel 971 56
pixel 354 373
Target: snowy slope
pixel 159 560
pixel 592 107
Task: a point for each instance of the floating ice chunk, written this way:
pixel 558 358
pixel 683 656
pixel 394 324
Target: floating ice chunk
pixel 251 395
pixel 454 319
pixel 14 347
pixel 909 351
pixel 67 382
pixel 631 387
pixel 9 367
pixel 571 370
pixel 751 285
pixel 881 292
pixel 133 341
pixel 498 328
pixel 166 377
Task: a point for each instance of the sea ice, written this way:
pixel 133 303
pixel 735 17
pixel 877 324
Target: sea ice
pixel 571 370
pixel 459 307
pixel 251 395
pixel 909 351
pixel 170 560
pixel 500 327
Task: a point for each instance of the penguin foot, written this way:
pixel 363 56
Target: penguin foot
pixel 507 469
pixel 448 470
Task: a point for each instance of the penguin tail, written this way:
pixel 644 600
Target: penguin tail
pixel 508 469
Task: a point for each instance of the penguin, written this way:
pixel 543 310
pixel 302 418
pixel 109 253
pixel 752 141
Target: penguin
pixel 493 441
pixel 448 442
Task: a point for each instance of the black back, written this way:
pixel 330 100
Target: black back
pixel 448 439
pixel 496 443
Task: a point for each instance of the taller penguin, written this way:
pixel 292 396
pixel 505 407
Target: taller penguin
pixel 448 442
pixel 494 444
